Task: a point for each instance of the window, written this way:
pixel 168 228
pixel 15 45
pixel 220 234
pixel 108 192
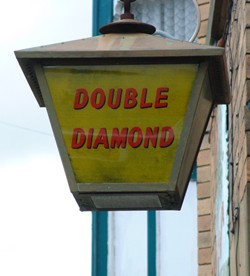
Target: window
pixel 174 19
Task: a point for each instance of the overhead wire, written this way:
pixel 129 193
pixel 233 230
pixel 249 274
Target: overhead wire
pixel 25 128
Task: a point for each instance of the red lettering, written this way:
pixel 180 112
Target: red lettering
pixel 130 98
pixel 144 103
pixel 151 136
pixel 161 97
pixel 81 98
pixel 167 137
pixel 78 138
pixel 135 137
pixel 90 138
pixel 117 103
pixel 119 140
pixel 101 139
pixel 98 98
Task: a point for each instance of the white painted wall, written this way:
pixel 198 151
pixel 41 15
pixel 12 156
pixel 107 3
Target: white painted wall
pixel 127 243
pixel 177 238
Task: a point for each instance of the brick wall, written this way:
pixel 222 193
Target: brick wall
pixel 204 175
pixel 204 6
pixel 205 215
pixel 238 57
pixel 206 178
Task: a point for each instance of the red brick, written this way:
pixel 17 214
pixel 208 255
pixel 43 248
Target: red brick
pixel 204 223
pixel 248 169
pixel 248 12
pixel 201 2
pixel 203 174
pixel 204 207
pixel 204 190
pixel 204 256
pixel 204 158
pixel 248 142
pixel 205 142
pixel 248 67
pixel 204 9
pixel 205 270
pixel 203 28
pixel 204 239
pixel 248 91
pixel 202 40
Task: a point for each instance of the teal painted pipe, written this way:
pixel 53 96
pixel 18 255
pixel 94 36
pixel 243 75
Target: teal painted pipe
pixel 99 243
pixel 102 14
pixel 151 243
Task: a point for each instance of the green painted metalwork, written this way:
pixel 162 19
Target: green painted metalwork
pixel 99 243
pixel 151 243
pixel 102 14
pixel 194 173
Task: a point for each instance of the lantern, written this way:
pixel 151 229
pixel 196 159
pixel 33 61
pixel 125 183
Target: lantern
pixel 128 111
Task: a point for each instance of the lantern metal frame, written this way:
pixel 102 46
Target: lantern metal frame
pixel 210 88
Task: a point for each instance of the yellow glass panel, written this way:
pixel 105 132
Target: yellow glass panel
pixel 121 123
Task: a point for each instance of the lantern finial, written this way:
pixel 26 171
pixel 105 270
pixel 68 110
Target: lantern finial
pixel 127 14
pixel 127 24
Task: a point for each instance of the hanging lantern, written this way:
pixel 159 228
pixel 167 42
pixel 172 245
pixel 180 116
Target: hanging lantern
pixel 128 110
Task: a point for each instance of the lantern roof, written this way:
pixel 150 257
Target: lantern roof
pixel 120 46
pixel 116 45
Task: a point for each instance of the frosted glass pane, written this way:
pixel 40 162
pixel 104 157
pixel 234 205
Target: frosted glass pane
pixel 176 17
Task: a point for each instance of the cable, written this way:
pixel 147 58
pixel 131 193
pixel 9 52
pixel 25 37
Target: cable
pixel 25 128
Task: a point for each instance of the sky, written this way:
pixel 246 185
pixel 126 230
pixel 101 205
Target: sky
pixel 42 230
